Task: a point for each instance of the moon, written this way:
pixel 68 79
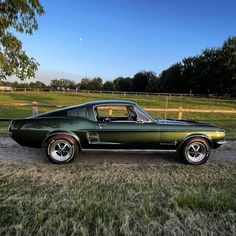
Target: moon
pixel 80 39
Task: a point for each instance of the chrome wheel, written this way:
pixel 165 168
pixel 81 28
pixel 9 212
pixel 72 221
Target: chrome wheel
pixel 196 151
pixel 61 150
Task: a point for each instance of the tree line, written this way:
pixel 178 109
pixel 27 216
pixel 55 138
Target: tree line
pixel 211 72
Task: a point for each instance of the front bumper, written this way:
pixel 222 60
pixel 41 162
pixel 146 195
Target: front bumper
pixel 221 142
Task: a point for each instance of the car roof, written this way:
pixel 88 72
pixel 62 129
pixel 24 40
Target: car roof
pixel 89 104
pixel 108 102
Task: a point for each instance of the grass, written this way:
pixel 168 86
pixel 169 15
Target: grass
pixel 118 199
pixel 228 121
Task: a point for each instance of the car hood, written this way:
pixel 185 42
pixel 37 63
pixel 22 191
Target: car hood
pixel 185 123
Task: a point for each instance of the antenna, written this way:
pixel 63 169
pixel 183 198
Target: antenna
pixel 166 108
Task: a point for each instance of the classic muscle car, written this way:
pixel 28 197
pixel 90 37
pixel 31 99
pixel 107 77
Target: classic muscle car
pixel 93 126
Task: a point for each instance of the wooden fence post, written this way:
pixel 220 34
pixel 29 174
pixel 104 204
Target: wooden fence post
pixel 110 111
pixel 180 113
pixel 34 108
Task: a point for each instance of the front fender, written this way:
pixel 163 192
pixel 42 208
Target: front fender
pixel 208 139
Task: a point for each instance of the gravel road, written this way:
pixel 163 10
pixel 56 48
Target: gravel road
pixel 11 152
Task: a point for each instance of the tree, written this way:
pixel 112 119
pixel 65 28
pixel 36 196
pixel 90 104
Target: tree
pixel 91 84
pixel 37 84
pixel 170 79
pixel 123 84
pixel 229 47
pixel 108 86
pixel 63 83
pixel 84 84
pixel 96 84
pixel 141 79
pixel 213 71
pixel 21 17
pixel 153 85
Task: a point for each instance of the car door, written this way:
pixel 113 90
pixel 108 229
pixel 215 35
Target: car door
pixel 119 133
pixel 128 135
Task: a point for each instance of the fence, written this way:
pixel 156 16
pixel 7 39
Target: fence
pixel 124 93
pixel 35 109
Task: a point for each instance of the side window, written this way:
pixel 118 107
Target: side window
pixel 111 113
pixel 78 112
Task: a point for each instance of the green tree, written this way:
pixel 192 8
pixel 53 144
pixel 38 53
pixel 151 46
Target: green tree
pixel 213 71
pixel 85 83
pixel 141 79
pixel 37 84
pixel 153 85
pixel 63 83
pixel 20 16
pixel 170 79
pixel 96 84
pixel 229 47
pixel 108 86
pixel 123 84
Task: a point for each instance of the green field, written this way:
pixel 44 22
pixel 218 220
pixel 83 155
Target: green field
pixel 117 199
pixel 228 121
pixel 114 198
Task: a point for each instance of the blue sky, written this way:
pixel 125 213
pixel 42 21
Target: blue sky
pixel 112 38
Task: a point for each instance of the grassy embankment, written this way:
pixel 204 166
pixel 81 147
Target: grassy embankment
pixel 116 199
pixel 228 121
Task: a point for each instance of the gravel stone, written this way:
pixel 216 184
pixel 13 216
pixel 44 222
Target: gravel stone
pixel 11 152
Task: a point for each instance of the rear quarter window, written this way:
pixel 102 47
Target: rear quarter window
pixel 78 112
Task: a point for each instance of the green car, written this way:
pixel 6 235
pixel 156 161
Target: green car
pixel 114 125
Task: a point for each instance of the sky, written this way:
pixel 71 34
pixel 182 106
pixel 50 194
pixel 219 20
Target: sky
pixel 111 38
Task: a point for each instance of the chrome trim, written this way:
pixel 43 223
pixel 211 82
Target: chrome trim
pixel 135 106
pixel 128 150
pixel 104 143
pixel 93 135
pixel 221 142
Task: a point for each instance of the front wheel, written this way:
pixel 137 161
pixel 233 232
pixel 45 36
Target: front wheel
pixel 195 151
pixel 61 149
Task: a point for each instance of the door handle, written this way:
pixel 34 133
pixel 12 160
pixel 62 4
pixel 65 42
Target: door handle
pixel 100 125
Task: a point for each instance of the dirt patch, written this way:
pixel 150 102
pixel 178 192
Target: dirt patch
pixel 10 151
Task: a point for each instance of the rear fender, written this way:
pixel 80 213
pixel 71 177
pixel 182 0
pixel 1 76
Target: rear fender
pixel 54 133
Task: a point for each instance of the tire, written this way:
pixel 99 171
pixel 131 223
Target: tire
pixel 195 151
pixel 61 149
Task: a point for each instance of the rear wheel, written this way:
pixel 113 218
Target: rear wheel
pixel 195 151
pixel 61 149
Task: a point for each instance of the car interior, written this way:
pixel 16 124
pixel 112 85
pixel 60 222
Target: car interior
pixel 129 114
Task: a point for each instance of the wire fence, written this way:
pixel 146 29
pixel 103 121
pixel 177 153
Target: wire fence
pixel 124 93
